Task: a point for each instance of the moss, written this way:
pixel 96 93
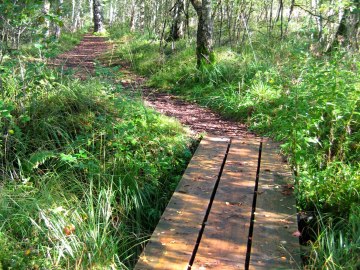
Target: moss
pixel 205 57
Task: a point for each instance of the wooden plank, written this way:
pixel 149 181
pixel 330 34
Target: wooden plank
pixel 173 240
pixel 273 245
pixel 224 242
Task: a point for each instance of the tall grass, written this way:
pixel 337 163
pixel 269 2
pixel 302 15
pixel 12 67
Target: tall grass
pixel 52 47
pixel 85 170
pixel 338 243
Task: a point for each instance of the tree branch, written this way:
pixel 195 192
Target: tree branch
pixel 313 14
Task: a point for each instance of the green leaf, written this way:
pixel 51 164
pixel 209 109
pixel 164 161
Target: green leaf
pixel 39 158
pixel 68 158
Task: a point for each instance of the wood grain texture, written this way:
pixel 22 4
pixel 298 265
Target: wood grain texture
pixel 173 240
pixel 274 246
pixel 224 242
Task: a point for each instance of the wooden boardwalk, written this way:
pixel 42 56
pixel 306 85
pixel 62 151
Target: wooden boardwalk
pixel 233 209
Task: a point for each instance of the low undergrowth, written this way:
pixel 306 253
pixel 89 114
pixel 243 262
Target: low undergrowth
pixel 52 47
pixel 292 92
pixel 85 170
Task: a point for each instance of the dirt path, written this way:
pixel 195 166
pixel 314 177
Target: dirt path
pixel 199 119
pixel 82 58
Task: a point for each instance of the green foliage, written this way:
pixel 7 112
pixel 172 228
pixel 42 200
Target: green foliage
pixel 338 243
pixel 86 170
pixel 309 102
pixel 52 47
pixel 65 43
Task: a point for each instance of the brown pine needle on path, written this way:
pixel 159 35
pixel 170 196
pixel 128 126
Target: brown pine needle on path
pixel 199 119
pixel 83 57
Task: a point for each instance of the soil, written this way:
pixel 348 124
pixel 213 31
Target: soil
pixel 83 57
pixel 197 118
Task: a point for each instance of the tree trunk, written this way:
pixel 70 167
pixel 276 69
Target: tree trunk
pixel 46 10
pixel 204 43
pixel 133 17
pixel 177 27
pixel 79 22
pixel 73 2
pixel 91 10
pixel 290 13
pixel 112 11
pixel 221 23
pixel 58 26
pixel 141 20
pixel 341 33
pixel 98 23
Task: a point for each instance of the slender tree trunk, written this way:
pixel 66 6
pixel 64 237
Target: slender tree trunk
pixel 91 10
pixel 177 27
pixel 280 16
pixel 204 43
pixel 318 19
pixel 133 16
pixel 154 17
pixel 229 19
pixel 141 20
pixel 46 11
pixel 289 18
pixel 78 10
pixel 112 11
pixel 187 18
pixel 79 15
pixel 58 26
pixel 221 23
pixel 98 23
pixel 73 5
pixel 271 18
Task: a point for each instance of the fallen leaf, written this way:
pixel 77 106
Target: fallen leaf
pixel 290 186
pixel 69 229
pixel 233 203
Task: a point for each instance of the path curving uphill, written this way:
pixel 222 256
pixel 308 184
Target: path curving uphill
pixel 83 57
pixel 199 119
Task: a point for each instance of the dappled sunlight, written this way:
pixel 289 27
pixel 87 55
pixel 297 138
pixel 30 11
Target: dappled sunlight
pixel 225 234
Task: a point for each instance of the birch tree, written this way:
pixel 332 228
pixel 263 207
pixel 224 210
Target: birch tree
pixel 58 26
pixel 204 39
pixel 98 20
pixel 46 11
pixel 177 27
pixel 141 14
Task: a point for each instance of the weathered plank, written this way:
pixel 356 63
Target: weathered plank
pixel 173 240
pixel 273 245
pixel 224 242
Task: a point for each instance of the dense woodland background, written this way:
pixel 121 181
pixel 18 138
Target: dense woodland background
pixel 86 168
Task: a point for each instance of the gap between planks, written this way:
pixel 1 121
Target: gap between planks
pixel 219 213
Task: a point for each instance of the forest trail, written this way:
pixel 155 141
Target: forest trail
pixel 83 58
